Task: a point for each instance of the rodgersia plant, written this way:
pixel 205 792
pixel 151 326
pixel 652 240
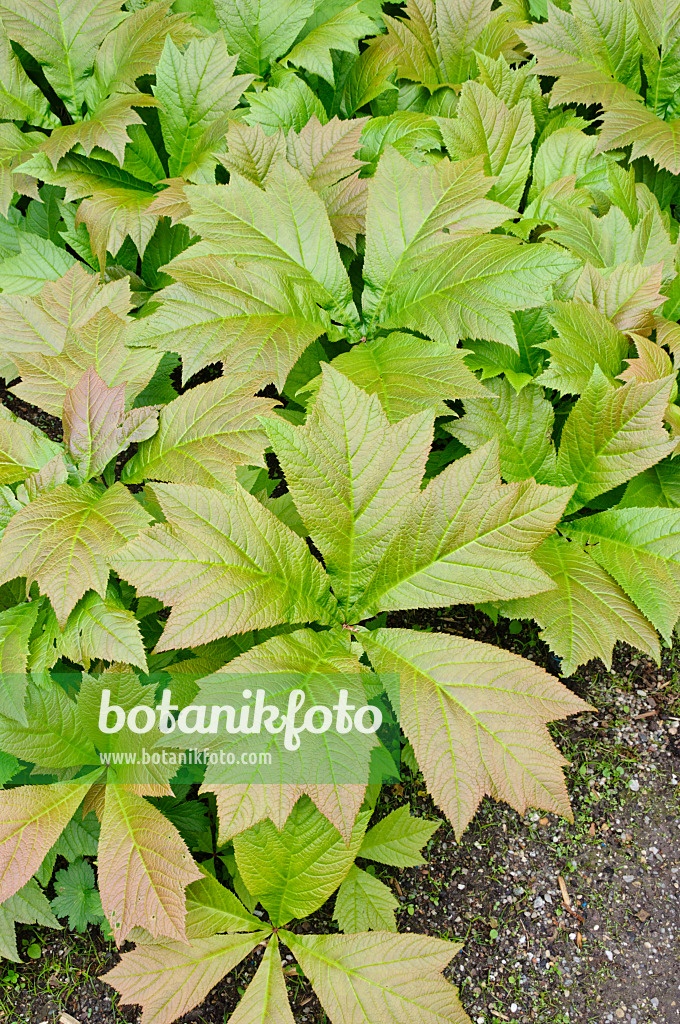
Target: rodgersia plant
pixel 302 333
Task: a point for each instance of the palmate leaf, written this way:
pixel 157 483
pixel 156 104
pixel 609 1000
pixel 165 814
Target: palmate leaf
pixel 96 426
pixel 588 50
pixel 41 324
pixel 203 435
pixel 31 820
pixel 24 449
pixel 226 564
pixel 98 345
pixel 65 539
pixel 464 536
pixel 352 476
pixel 285 224
pixel 586 613
pixel 144 866
pixel 172 977
pixel 521 421
pixel 364 903
pixel 196 90
pixel 456 697
pixel 639 548
pixel 64 36
pixel 27 906
pixel 472 286
pixel 293 872
pixel 628 295
pixel 633 124
pixel 409 375
pixel 114 204
pixel 98 627
pixel 486 126
pixel 260 32
pixel 612 434
pixel 252 319
pixel 378 976
pixel 585 339
pixel 333 769
pixel 413 211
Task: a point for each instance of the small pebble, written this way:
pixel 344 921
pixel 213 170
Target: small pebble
pixel 634 785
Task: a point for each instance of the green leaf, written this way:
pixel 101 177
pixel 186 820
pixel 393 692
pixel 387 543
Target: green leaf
pixel 16 625
pixel 486 126
pixel 27 906
pixel 79 839
pixel 100 627
pixel 211 909
pixel 364 903
pixel 413 213
pixel 294 871
pixel 51 737
pixel 77 897
pixel 409 375
pixel 31 820
pixel 39 260
pixel 394 979
pixel 586 613
pixel 640 548
pixel 353 475
pixel 64 36
pixel 96 426
pixel 20 99
pixel 202 435
pixel 585 339
pixel 472 286
pixel 24 449
pixel 285 224
pixel 522 422
pixel 65 539
pixel 658 486
pixel 196 91
pixel 289 105
pixel 340 31
pixel 260 32
pixel 612 434
pixel 466 538
pixel 398 838
pixel 455 698
pixel 332 767
pixel 225 564
pixel 266 998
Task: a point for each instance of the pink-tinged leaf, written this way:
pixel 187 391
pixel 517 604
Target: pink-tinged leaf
pixel 31 820
pixel 65 539
pixel 144 867
pixel 170 978
pixel 373 977
pixel 95 425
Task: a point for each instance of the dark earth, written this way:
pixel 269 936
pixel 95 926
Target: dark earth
pixel 600 945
